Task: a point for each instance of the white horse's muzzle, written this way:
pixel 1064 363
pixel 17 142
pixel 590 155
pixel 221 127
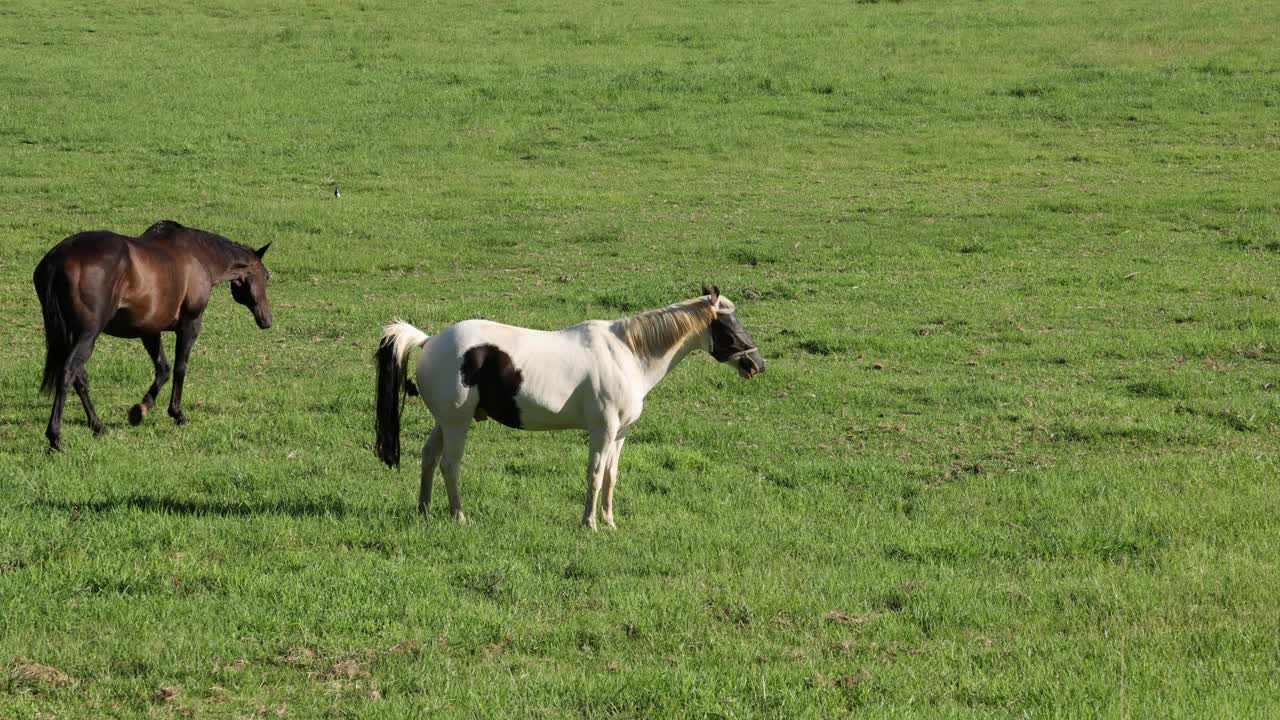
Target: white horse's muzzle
pixel 749 363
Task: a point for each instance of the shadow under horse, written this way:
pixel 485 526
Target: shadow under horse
pixel 136 287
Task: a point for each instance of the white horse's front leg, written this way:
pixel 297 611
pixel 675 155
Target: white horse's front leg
pixel 600 444
pixel 611 483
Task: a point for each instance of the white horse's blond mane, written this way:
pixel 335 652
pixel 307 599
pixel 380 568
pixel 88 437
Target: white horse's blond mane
pixel 653 333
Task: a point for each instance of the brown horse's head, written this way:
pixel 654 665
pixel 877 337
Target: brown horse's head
pixel 249 288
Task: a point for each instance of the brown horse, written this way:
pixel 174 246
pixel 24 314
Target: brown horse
pixel 96 282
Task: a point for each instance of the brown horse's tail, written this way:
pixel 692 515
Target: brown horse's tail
pixel 57 337
pixel 392 360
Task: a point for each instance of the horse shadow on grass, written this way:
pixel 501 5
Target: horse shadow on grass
pixel 326 507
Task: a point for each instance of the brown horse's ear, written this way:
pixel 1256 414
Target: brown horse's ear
pixel 262 251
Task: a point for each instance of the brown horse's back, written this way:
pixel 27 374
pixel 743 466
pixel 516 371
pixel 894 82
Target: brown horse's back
pixel 124 286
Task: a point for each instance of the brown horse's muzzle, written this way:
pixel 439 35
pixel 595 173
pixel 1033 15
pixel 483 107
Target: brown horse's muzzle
pixel 262 317
pixel 750 363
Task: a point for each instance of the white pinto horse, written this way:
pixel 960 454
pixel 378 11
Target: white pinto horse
pixel 593 376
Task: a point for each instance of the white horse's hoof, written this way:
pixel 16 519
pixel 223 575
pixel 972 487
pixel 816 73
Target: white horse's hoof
pixel 589 523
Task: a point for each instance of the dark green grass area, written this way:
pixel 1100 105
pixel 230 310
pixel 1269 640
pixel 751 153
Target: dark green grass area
pixel 1015 270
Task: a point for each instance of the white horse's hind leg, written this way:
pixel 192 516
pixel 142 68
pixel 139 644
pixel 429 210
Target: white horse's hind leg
pixel 600 448
pixel 455 444
pixel 611 484
pixel 430 458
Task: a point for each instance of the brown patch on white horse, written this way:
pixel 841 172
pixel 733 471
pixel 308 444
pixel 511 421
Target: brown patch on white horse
pixel 491 371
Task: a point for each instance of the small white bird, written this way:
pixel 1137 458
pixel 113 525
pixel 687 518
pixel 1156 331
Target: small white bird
pixel 336 192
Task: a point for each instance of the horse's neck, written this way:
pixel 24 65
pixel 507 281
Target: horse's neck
pixel 221 263
pixel 655 366
pixel 228 269
pixel 660 339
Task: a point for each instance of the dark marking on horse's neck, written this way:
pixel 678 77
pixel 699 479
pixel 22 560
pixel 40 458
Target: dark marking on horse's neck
pixel 491 371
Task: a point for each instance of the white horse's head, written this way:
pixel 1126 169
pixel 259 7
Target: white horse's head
pixel 727 340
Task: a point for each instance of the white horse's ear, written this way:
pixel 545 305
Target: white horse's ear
pixel 713 291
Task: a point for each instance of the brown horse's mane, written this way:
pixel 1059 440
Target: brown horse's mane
pixel 222 247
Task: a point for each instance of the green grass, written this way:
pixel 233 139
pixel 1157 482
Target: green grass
pixel 1014 268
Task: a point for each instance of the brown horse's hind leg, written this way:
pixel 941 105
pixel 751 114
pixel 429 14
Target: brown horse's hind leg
pixel 54 430
pixel 188 331
pixel 79 355
pixel 81 384
pixel 155 348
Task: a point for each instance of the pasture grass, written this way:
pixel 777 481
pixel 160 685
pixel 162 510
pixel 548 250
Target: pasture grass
pixel 1014 269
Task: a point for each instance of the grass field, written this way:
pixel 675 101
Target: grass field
pixel 1015 268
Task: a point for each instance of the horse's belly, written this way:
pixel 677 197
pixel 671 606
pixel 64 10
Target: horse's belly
pixel 128 324
pixel 537 416
pixel 122 325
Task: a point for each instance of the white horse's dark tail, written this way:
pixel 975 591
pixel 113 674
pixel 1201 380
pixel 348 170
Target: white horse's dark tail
pixel 392 360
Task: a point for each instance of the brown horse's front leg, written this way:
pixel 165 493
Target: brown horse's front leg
pixel 155 348
pixel 188 331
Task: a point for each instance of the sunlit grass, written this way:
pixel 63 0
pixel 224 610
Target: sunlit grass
pixel 1014 269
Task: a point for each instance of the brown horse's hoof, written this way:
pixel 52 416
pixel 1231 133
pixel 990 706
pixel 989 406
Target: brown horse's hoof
pixel 100 431
pixel 180 419
pixel 55 445
pixel 138 413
